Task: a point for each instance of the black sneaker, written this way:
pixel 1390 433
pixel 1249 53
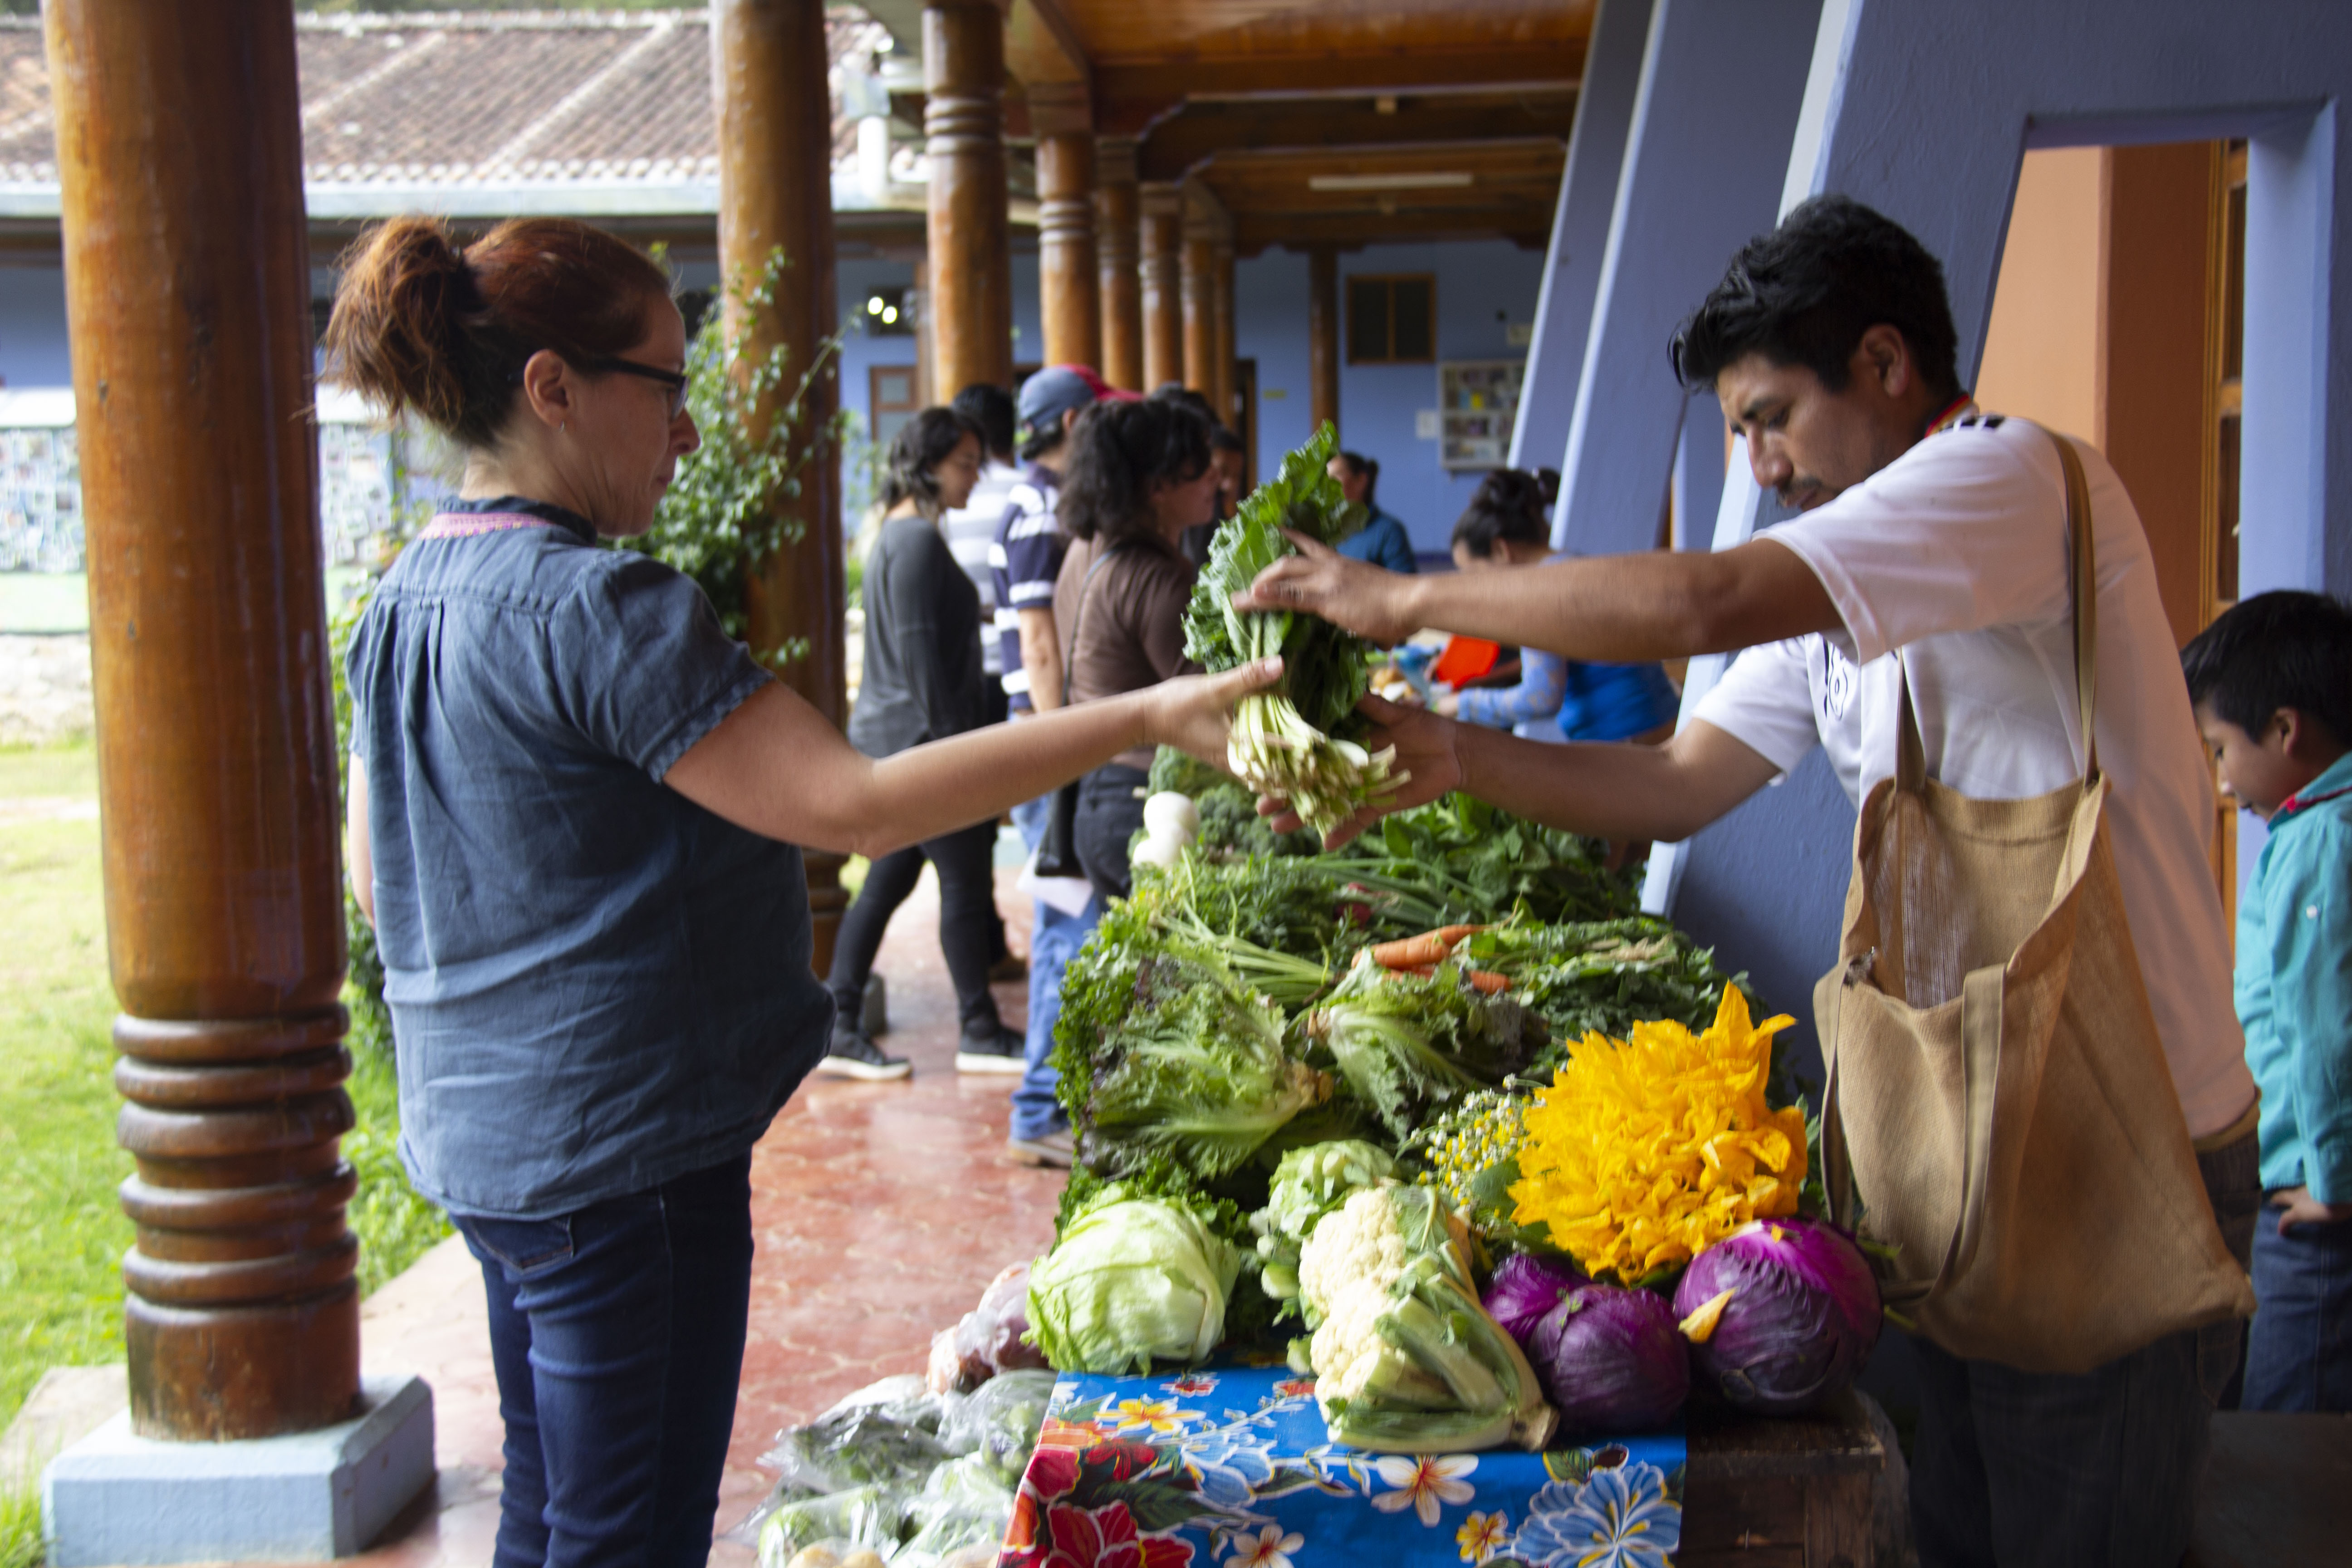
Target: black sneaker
pixel 1002 1052
pixel 855 1054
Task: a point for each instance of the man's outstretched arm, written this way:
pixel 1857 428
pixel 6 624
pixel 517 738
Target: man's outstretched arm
pixel 1608 608
pixel 1613 791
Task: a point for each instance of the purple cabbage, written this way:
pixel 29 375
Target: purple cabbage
pixel 1611 1359
pixel 1525 1287
pixel 1801 1318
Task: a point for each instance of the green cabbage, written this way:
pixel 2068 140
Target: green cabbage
pixel 1132 1281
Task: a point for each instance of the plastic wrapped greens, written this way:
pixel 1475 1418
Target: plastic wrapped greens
pixel 999 1421
pixel 862 1517
pixel 967 1502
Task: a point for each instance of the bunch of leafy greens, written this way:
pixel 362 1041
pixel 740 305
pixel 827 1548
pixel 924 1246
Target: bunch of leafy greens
pixel 1405 1043
pixel 1459 862
pixel 1293 740
pixel 1164 1049
pixel 1278 920
pixel 1603 976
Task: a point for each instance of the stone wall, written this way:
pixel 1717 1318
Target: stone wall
pixel 44 694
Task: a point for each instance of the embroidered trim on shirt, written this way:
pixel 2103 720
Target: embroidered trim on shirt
pixel 2295 802
pixel 466 525
pixel 1960 407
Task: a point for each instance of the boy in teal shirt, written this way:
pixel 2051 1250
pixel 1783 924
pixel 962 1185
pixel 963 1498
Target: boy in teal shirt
pixel 2272 681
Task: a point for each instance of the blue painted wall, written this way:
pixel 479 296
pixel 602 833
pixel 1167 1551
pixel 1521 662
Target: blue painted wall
pixel 1484 288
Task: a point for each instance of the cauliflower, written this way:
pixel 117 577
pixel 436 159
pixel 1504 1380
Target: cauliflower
pixel 1309 1183
pixel 1406 1359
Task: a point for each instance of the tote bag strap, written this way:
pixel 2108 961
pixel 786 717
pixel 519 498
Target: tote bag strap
pixel 2082 580
pixel 1980 1008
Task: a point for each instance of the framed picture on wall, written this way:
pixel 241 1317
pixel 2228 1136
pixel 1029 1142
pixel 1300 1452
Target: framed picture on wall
pixel 1477 404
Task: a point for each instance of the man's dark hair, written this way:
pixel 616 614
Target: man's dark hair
pixel 1043 439
pixel 989 408
pixel 2281 649
pixel 1223 440
pixel 1805 293
pixel 1118 453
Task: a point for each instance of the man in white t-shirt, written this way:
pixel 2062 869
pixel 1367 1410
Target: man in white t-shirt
pixel 1932 528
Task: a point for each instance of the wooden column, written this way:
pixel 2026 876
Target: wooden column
pixel 1118 248
pixel 187 291
pixel 1200 286
pixel 1067 283
pixel 970 295
pixel 775 190
pixel 1222 281
pixel 1161 227
pixel 1323 336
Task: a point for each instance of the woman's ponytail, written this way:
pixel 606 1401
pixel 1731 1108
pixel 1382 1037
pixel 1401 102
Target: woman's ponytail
pixel 394 337
pixel 421 327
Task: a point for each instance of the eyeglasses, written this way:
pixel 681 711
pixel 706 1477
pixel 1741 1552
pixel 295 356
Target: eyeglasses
pixel 674 379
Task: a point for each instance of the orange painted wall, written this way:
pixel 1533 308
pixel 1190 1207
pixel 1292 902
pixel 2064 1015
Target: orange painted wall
pixel 2098 329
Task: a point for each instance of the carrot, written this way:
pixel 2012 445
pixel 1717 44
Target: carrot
pixel 1488 981
pixel 1429 947
pixel 1407 953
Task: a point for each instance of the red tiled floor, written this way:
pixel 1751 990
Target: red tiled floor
pixel 881 1211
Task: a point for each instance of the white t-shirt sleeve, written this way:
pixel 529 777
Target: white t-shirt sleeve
pixel 1963 533
pixel 1764 701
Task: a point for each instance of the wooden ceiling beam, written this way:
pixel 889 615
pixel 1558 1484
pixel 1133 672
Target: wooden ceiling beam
pixel 1256 232
pixel 1041 46
pixel 1130 95
pixel 1202 131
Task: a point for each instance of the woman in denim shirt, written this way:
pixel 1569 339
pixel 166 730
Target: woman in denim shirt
pixel 574 811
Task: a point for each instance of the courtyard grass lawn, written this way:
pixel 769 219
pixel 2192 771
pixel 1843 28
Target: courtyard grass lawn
pixel 61 1253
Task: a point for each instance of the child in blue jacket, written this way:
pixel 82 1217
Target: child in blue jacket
pixel 2272 681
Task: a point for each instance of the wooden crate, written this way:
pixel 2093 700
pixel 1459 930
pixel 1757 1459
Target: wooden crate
pixel 1787 1493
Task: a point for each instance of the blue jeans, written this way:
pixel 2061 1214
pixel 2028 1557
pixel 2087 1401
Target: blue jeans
pixel 2043 1470
pixel 616 1332
pixel 1055 939
pixel 2299 1351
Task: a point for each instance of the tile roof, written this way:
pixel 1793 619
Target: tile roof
pixel 536 97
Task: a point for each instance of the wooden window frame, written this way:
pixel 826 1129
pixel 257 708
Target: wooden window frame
pixel 1391 280
pixel 2225 264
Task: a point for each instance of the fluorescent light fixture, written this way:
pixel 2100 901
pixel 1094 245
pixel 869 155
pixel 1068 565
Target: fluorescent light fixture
pixel 1444 180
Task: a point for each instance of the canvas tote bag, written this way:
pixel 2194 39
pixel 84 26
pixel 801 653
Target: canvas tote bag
pixel 1997 1095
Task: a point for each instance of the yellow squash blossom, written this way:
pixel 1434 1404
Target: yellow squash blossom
pixel 1646 1151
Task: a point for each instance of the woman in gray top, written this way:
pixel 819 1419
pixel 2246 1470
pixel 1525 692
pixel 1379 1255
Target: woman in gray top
pixel 924 681
pixel 574 807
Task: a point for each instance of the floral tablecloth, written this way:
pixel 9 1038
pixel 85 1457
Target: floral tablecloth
pixel 1231 1467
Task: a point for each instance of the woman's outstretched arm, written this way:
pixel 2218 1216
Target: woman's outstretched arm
pixel 776 767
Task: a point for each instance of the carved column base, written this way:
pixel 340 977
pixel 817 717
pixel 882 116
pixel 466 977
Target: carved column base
pixel 241 1308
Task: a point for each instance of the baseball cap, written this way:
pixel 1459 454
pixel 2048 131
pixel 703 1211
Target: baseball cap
pixel 1055 391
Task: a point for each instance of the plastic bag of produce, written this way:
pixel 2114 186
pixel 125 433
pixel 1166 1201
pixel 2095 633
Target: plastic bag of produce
pixel 1000 1420
pixel 884 1435
pixel 861 1518
pixel 989 1340
pixel 967 1502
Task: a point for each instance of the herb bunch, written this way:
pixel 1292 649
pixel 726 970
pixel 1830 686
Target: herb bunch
pixel 1294 741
